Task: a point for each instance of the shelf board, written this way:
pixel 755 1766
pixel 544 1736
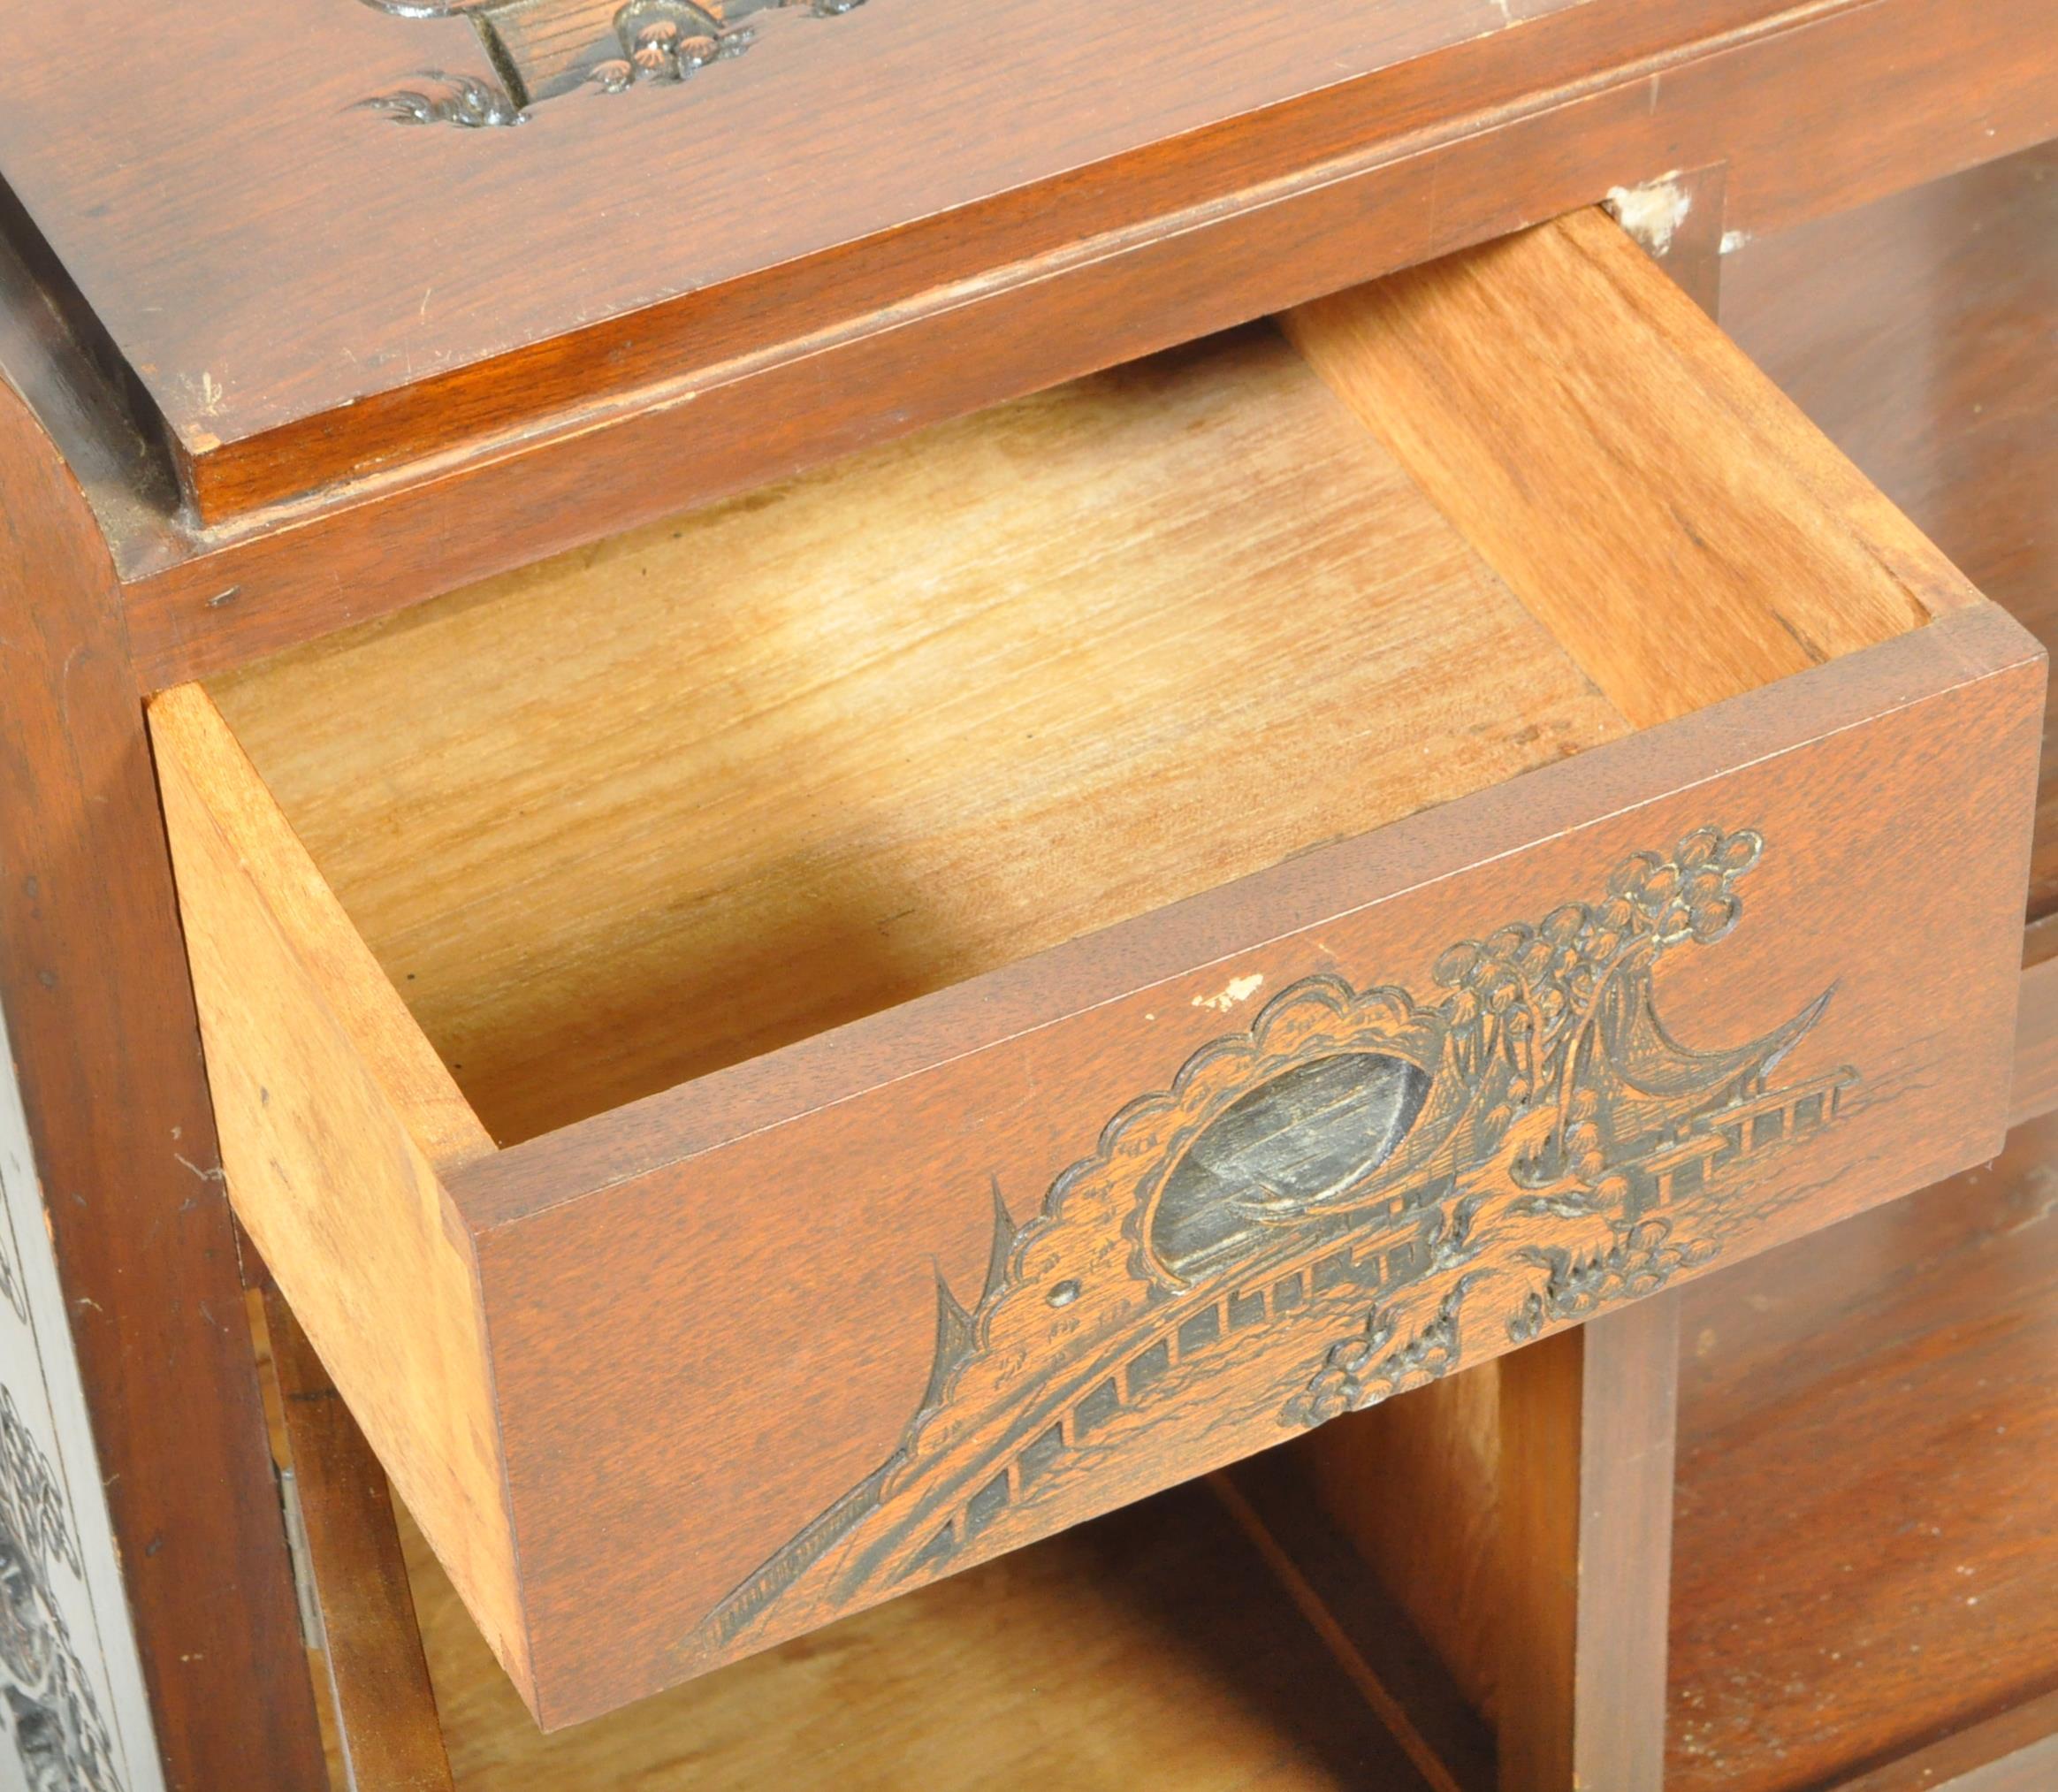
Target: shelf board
pixel 1149 1648
pixel 1866 1557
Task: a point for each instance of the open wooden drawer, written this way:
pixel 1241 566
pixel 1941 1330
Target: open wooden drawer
pixel 804 1048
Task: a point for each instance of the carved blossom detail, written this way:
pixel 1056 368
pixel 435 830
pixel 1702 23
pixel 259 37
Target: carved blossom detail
pixel 1352 1157
pixel 59 1732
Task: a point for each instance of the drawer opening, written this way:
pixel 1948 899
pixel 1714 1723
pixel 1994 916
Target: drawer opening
pixel 688 895
pixel 661 805
pixel 715 787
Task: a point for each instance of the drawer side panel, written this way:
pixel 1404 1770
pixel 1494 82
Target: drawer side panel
pixel 328 1168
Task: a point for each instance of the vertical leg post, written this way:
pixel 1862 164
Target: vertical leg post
pixel 1586 1425
pixel 99 1016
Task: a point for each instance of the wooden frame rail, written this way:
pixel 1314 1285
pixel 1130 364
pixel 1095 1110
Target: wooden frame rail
pixel 1811 109
pixel 1825 106
pixel 2016 1752
pixel 381 1703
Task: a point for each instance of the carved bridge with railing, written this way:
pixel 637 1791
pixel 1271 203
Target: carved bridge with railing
pixel 1339 1278
pixel 1294 1228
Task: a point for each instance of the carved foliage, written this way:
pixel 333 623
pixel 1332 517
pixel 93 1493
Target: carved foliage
pixel 1370 1172
pixel 59 1732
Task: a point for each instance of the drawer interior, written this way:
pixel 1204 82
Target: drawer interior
pixel 656 807
pixel 663 804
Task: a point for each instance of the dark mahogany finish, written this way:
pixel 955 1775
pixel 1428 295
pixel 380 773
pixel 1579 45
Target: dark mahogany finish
pixel 489 456
pixel 101 1020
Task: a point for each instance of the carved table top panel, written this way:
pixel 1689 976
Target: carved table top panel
pixel 337 235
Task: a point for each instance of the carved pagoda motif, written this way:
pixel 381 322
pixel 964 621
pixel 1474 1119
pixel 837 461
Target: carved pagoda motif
pixel 1369 1172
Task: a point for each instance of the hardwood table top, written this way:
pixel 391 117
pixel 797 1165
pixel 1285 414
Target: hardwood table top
pixel 285 223
pixel 320 338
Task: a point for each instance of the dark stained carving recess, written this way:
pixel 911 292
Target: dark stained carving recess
pixel 46 1704
pixel 1365 1171
pixel 541 49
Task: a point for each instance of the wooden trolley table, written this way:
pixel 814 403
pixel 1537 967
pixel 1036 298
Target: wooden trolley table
pixel 795 791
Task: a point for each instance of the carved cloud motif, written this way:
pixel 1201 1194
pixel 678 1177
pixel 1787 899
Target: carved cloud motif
pixel 1313 1215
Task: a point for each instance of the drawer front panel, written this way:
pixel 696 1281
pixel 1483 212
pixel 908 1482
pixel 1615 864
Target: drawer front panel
pixel 1045 1244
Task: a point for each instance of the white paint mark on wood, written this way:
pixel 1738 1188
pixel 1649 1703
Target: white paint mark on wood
pixel 1236 990
pixel 1652 213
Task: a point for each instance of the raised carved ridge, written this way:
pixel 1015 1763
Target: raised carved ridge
pixel 1369 1173
pixel 539 49
pixel 60 1735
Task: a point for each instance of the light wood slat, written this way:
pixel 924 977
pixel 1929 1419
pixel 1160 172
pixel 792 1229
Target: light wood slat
pixel 1388 1659
pixel 1595 436
pixel 337 1124
pixel 1588 1421
pixel 2016 1752
pixel 388 1738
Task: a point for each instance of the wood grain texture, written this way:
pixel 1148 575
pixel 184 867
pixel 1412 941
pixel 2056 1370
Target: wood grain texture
pixel 100 1020
pixel 992 1087
pixel 1584 1524
pixel 685 1173
pixel 2016 1752
pixel 1412 1485
pixel 1148 1649
pixel 750 774
pixel 1866 1561
pixel 385 1709
pixel 314 1066
pixel 934 112
pixel 2036 1054
pixel 1541 1517
pixel 1371 1637
pixel 714 1222
pixel 1417 1484
pixel 1587 1429
pixel 1519 1513
pixel 1917 333
pixel 1839 105
pixel 1662 443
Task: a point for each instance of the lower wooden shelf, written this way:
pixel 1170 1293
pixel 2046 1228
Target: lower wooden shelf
pixel 1865 1569
pixel 1866 1552
pixel 1151 1648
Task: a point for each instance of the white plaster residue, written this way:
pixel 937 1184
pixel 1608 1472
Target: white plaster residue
pixel 1652 213
pixel 1733 239
pixel 1237 990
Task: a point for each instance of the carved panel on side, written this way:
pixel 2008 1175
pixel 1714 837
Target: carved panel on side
pixel 72 1710
pixel 540 49
pixel 1531 1142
